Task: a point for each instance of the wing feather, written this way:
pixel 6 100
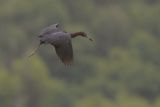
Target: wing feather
pixel 65 52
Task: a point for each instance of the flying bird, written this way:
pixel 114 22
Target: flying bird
pixel 61 40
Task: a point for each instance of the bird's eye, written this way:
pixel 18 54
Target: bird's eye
pixel 57 25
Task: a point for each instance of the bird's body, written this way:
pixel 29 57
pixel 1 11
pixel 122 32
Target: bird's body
pixel 61 40
pixel 56 38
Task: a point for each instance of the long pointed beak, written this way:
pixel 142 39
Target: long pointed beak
pixel 91 39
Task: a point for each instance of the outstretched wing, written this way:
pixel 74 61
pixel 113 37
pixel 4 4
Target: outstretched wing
pixel 65 52
pixel 50 29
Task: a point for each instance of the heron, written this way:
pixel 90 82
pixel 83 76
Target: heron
pixel 61 40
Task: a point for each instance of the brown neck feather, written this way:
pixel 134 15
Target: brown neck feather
pixel 75 34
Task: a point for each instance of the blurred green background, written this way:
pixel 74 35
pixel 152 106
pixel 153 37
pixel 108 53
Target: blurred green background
pixel 120 69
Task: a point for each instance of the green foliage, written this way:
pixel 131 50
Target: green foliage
pixel 119 69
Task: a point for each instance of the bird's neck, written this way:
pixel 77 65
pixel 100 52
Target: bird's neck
pixel 75 34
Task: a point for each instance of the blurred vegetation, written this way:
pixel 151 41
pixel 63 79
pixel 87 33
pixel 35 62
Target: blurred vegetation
pixel 120 69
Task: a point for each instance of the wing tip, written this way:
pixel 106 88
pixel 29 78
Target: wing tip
pixel 68 62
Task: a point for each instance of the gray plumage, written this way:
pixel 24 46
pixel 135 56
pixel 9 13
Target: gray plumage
pixel 50 29
pixel 63 47
pixel 61 40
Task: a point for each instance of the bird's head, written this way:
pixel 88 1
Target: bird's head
pixel 85 35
